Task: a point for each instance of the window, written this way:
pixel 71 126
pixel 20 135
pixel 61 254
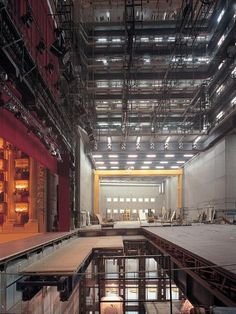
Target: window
pixel 108 199
pixel 146 199
pixel 140 199
pixel 122 199
pixel 115 199
pixel 152 200
pixel 127 199
pixel 134 199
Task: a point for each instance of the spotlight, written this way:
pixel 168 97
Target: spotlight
pixel 3 76
pixel 41 46
pixel 49 67
pixel 152 146
pixel 138 146
pixel 166 146
pixel 123 146
pixel 194 145
pixel 109 146
pixel 27 18
pixel 181 145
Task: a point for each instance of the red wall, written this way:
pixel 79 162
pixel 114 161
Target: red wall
pixel 64 194
pixel 13 131
pixel 42 27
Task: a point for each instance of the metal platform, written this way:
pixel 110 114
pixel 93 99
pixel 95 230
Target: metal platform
pixel 68 259
pixel 214 243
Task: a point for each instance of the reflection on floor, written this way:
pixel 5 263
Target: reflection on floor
pixel 7 237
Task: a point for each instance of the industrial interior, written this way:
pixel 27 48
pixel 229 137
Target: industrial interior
pixel 117 156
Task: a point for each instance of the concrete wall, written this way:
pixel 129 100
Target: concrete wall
pixel 210 178
pixel 171 194
pixel 230 165
pixel 86 181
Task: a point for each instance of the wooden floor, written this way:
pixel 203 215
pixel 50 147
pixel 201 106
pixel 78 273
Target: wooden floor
pixel 215 243
pixel 9 249
pixel 7 237
pixel 69 258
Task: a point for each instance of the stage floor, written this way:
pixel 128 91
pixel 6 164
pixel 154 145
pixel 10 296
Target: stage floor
pixel 215 243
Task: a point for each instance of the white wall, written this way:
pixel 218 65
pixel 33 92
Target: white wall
pixel 171 193
pixel 129 191
pixel 86 181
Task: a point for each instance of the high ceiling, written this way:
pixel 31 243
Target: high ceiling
pixel 157 79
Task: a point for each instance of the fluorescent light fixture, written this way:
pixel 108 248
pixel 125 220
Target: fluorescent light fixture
pixel 170 155
pixel 109 140
pixel 132 156
pixel 220 42
pixel 168 139
pixel 197 139
pixel 144 39
pixel 147 60
pixel 220 115
pixel 180 162
pixel 174 167
pixel 188 155
pixel 114 168
pixel 220 16
pixel 138 140
pixel 99 162
pixel 163 162
pixel 114 162
pixel 108 14
pixel 158 39
pixel 130 162
pixel 151 156
pixel 159 167
pixel 233 101
pixel 113 156
pixel 147 162
pixel 234 72
pixel 220 89
pixel 145 167
pixel 102 167
pixel 221 64
pixel 116 40
pixel 97 156
pixel 102 40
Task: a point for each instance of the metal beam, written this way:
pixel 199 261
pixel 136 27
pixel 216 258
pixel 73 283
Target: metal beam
pixel 155 95
pixel 180 74
pixel 134 173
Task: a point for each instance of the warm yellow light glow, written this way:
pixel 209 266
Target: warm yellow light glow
pixel 22 163
pixel 1 143
pixel 21 207
pixel 21 184
pixel 3 164
pixel 2 186
pixel 3 208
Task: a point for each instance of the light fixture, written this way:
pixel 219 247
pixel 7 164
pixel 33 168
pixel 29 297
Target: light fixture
pixel 114 162
pixel 102 167
pixel 102 40
pixel 138 140
pixel 181 145
pixel 132 156
pixel 221 64
pixel 130 162
pixel 97 156
pixel 109 143
pixel 219 115
pixel 147 162
pixel 169 155
pixel 159 167
pixel 113 156
pixel 99 162
pixel 138 146
pixel 188 155
pixel 114 168
pixel 168 139
pixel 180 162
pixel 123 146
pixel 152 146
pixel 163 162
pixel 145 167
pixel 151 156
pixel 197 139
pixel 233 101
pixel 174 167
pixel 220 16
